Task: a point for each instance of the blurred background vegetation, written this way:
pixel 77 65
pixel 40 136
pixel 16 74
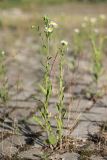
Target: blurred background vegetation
pixel 17 17
pixel 29 3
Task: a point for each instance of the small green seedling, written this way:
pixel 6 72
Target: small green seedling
pixel 3 79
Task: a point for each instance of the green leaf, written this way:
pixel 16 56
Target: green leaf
pixel 38 120
pixel 63 113
pixel 58 106
pixel 52 139
pixel 42 89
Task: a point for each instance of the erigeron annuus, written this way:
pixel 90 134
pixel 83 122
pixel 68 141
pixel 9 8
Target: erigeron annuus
pixel 102 16
pixel 64 43
pixel 48 30
pixel 76 30
pixel 93 20
pixel 53 24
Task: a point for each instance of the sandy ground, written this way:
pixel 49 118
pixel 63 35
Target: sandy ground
pixel 24 73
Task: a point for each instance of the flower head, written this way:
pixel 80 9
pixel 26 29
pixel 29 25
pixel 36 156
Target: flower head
pixel 102 16
pixel 93 20
pixel 83 25
pixel 49 27
pixel 76 30
pixel 33 26
pixel 48 30
pixel 3 53
pixel 64 43
pixel 86 19
pixel 53 24
pixel 96 30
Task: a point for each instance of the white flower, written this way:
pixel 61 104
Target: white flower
pixel 53 24
pixel 86 19
pixel 83 25
pixel 33 26
pixel 102 16
pixel 93 20
pixel 64 43
pixel 48 30
pixel 3 53
pixel 76 30
pixel 96 30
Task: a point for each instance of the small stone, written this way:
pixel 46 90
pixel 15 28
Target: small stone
pixel 33 154
pixel 94 157
pixel 7 148
pixel 70 156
